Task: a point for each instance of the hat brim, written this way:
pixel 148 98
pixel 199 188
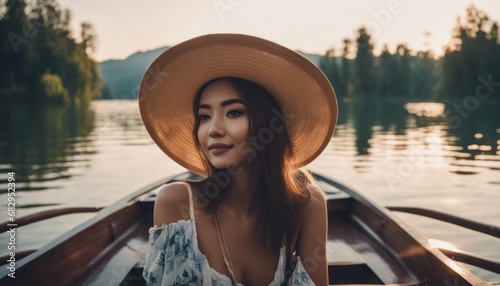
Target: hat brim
pixel 169 86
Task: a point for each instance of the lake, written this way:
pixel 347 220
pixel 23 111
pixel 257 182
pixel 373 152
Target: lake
pixel 444 157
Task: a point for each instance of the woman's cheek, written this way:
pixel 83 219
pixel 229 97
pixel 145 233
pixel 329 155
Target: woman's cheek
pixel 202 138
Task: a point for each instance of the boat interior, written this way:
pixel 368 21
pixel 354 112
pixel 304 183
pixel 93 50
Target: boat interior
pixel 365 246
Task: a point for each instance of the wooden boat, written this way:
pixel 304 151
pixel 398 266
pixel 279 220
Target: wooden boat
pixel 366 245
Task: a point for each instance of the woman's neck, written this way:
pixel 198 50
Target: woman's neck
pixel 241 198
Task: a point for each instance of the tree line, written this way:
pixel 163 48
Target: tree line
pixel 471 60
pixel 41 60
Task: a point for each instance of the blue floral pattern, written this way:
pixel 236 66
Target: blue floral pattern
pixel 174 258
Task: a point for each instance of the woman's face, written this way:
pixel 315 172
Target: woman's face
pixel 224 125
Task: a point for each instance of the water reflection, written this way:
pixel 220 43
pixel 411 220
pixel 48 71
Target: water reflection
pixel 475 131
pixel 402 126
pixel 423 132
pixel 46 144
pixel 427 109
pixel 379 117
pixel 43 143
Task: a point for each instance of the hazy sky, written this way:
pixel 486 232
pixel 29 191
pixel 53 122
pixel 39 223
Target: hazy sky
pixel 126 26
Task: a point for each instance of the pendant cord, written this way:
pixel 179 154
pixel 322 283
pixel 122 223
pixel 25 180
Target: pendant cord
pixel 225 252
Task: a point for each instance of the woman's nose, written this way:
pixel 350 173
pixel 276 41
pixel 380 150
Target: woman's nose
pixel 216 128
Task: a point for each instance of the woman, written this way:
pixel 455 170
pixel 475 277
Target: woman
pixel 246 114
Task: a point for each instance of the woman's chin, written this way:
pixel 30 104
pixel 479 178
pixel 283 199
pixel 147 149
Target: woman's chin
pixel 232 168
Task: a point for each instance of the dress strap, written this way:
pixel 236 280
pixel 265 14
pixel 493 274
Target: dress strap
pixel 225 252
pixel 191 205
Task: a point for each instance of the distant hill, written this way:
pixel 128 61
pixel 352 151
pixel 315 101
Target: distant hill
pixel 123 77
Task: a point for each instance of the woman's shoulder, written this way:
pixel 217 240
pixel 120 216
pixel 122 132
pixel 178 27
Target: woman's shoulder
pixel 172 204
pixel 316 196
pixel 316 201
pixel 311 191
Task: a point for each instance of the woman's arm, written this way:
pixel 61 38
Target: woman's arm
pixel 311 243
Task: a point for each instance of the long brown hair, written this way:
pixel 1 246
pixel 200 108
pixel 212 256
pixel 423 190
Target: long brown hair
pixel 281 186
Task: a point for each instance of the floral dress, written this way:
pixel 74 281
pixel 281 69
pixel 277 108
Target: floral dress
pixel 175 258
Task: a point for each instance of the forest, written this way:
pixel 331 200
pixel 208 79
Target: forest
pixel 42 61
pixel 471 59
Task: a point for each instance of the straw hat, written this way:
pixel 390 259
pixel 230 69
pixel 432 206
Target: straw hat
pixel 170 84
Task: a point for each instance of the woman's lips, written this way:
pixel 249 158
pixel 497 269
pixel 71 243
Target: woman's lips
pixel 219 148
pixel 218 151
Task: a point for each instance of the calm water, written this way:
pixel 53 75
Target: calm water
pixel 397 154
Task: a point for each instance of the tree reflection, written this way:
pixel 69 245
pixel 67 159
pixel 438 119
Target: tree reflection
pixel 42 143
pixel 478 128
pixel 385 115
pixel 477 133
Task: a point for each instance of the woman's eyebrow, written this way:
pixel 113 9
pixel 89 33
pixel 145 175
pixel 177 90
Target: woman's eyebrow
pixel 232 101
pixel 224 103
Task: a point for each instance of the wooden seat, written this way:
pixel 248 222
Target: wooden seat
pixel 354 258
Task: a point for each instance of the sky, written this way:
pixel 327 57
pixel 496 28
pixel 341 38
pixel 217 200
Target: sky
pixel 124 27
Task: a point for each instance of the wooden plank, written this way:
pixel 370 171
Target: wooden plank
pixel 387 268
pixel 129 215
pixel 77 253
pixel 404 243
pixel 114 272
pixel 141 248
pixel 339 252
pixel 60 265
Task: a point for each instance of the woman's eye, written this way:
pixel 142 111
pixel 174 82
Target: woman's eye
pixel 234 113
pixel 203 117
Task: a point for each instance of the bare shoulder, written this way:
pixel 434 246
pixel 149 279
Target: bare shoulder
pixel 313 210
pixel 317 197
pixel 171 204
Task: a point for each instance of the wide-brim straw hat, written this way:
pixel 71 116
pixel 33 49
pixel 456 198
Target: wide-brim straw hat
pixel 170 84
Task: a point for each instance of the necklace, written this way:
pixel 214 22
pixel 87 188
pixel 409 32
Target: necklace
pixel 225 252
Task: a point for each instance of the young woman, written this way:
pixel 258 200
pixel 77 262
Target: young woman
pixel 246 114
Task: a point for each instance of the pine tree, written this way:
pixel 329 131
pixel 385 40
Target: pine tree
pixel 364 64
pixel 473 52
